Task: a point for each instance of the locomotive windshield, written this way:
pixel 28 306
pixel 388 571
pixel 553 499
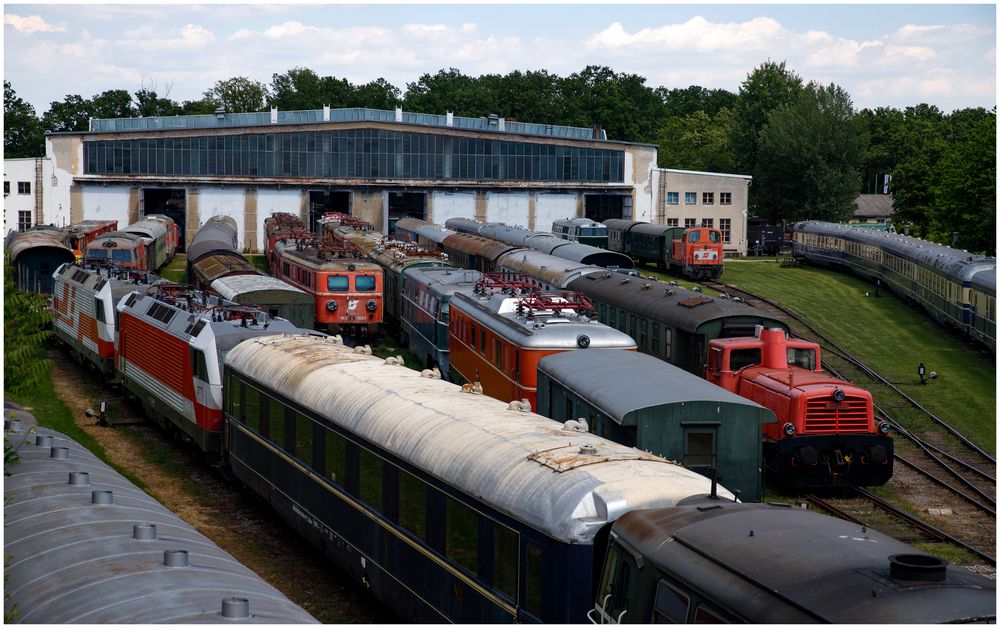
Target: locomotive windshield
pixel 364 282
pixel 694 236
pixel 714 236
pixel 742 358
pixel 122 255
pixel 97 253
pixel 804 358
pixel 337 282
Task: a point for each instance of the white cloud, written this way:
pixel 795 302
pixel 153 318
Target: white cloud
pixel 31 24
pixel 907 54
pixel 940 33
pixel 697 34
pixel 189 38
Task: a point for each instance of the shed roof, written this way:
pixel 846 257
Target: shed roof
pixel 621 382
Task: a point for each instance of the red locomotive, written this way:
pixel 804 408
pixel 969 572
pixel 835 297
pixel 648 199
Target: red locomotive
pixel 83 233
pixel 498 334
pixel 696 253
pixel 826 433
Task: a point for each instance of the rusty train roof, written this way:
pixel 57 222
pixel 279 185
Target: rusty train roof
pixel 213 265
pixel 478 246
pixel 555 271
pixel 40 238
pixel 311 258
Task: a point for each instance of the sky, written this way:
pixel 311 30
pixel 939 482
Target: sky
pixel 893 55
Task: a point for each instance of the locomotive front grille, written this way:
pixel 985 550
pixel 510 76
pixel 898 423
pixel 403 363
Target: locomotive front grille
pixel 826 415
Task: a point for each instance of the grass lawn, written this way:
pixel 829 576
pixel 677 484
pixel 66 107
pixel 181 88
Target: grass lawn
pixel 176 270
pixel 889 335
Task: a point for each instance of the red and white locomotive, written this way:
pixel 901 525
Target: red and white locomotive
pixel 826 433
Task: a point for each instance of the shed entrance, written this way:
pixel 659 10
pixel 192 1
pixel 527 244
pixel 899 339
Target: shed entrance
pixel 405 205
pixel 325 201
pixel 171 202
pixel 601 207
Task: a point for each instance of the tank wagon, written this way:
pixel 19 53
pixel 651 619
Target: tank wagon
pixel 544 242
pixel 500 332
pixel 695 252
pixel 826 434
pixel 34 254
pixel 145 245
pixel 215 264
pixel 956 288
pixel 83 545
pixel 169 353
pixel 773 564
pixel 450 506
pixel 426 312
pixel 84 299
pixel 642 402
pixel 582 230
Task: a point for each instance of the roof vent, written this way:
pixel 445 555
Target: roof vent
pixel 79 478
pixel 220 113
pixel 144 532
pixel 59 453
pixel 235 608
pixel 917 567
pixel 102 498
pixel 175 558
pixel 588 450
pixel 43 441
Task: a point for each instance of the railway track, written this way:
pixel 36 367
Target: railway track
pixel 927 447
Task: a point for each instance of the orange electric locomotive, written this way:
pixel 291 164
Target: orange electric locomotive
pixel 826 434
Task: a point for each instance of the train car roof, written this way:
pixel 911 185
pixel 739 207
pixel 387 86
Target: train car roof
pixel 650 229
pixel 640 382
pixel 960 264
pixel 777 564
pixel 70 561
pixel 37 238
pixel 587 254
pixel 479 246
pixel 310 258
pixel 399 262
pixel 237 287
pixel 442 280
pixel 429 230
pixel 545 242
pixel 220 263
pixel 217 234
pixel 121 282
pixel 985 280
pixel 365 241
pixel 510 234
pixel 620 224
pixel 682 309
pixel 86 226
pixel 149 228
pixel 580 222
pixel 554 330
pixel 519 463
pixel 555 271
pixel 463 225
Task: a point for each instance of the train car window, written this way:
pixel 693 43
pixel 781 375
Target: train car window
pixel 533 579
pixel 699 446
pixel 364 282
pixel 621 320
pixel 123 256
pixel 99 310
pixel 234 397
pixel 482 341
pixel 461 534
pixel 370 480
pixel 620 589
pixel 632 324
pixel 670 605
pixel 603 311
pixel 413 505
pixel 741 358
pixel 472 335
pixel 498 353
pixel 335 457
pixel 804 358
pixel 704 616
pixel 251 408
pixel 505 560
pixel 303 438
pixel 337 283
pixel 276 422
pixel 643 334
pixel 614 317
pixel 656 339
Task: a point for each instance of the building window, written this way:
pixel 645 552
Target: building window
pixel 672 198
pixel 726 226
pixel 23 220
pixel 24 187
pixel 6 188
pixel 708 198
pixel 672 222
pixel 690 198
pixel 690 223
pixel 725 198
pixel 708 222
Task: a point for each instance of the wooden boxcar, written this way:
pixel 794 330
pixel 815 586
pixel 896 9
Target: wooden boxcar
pixel 637 400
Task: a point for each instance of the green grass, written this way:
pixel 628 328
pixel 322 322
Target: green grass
pixel 890 336
pixel 176 270
pixel 260 263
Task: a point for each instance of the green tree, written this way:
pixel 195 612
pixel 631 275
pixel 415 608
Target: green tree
pixel 25 329
pixel 238 95
pixel 918 144
pixel 880 126
pixel 965 196
pixel 73 113
pixel 621 104
pixel 377 94
pixel 448 90
pixel 697 141
pixel 22 131
pixel 149 103
pixel 113 103
pixel 769 87
pixel 808 157
pixel 682 102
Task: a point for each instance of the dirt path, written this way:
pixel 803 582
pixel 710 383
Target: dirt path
pixel 234 519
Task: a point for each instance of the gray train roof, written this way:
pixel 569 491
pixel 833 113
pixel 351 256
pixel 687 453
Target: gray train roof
pixel 309 257
pixel 38 238
pixel 235 287
pixel 956 263
pixel 463 225
pixel 120 238
pixel 545 330
pixel 985 281
pixel 650 229
pixel 555 271
pixel 71 561
pixel 619 224
pixel 587 254
pixel 443 281
pixel 800 567
pixel 217 234
pixel 149 228
pixel 429 230
pixel 506 233
pixel 639 381
pixel 472 244
pixel 519 463
pixel 545 242
pixel 681 308
pixel 580 222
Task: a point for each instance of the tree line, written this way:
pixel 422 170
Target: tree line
pixel 809 151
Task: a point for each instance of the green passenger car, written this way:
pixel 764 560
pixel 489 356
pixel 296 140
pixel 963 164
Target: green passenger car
pixel 643 402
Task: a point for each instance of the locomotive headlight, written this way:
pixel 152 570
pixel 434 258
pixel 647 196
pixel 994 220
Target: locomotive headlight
pixel 583 340
pixel 884 427
pixel 331 306
pixel 371 306
pixel 838 395
pixel 789 429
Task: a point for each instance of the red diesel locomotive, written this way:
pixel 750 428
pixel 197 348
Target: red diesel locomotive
pixel 826 434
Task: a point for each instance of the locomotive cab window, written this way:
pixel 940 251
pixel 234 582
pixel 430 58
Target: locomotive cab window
pixel 693 236
pixel 804 358
pixel 364 282
pixel 670 606
pixel 337 283
pixel 742 358
pixel 714 236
